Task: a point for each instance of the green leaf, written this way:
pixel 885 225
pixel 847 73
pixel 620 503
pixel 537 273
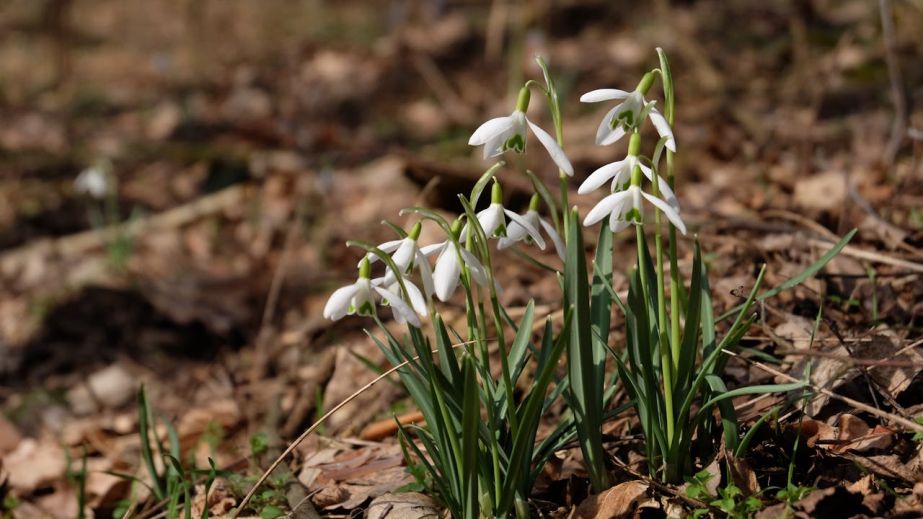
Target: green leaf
pixel 144 415
pixel 519 347
pixel 471 415
pixel 753 390
pixel 585 398
pixel 728 415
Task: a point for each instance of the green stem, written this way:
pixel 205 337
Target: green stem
pixel 665 364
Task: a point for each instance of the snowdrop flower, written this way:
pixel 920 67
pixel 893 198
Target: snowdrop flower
pixel 406 256
pixel 509 133
pixel 516 232
pixel 359 298
pixel 414 298
pixel 493 220
pixel 620 173
pixel 628 114
pixel 93 182
pixel 448 268
pixel 624 207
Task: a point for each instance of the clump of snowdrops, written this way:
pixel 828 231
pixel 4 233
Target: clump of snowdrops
pixel 480 450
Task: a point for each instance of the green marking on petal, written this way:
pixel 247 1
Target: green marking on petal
pixel 633 215
pixel 516 143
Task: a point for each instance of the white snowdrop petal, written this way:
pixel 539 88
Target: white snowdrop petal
pixel 491 129
pixel 490 219
pixel 605 128
pixel 550 144
pixel 671 213
pixel 663 128
pixel 445 277
pixel 603 94
pixel 401 310
pixel 533 232
pixel 555 237
pixel 475 267
pixel 613 136
pixel 338 304
pixel 605 207
pixel 426 274
pixel 428 250
pixel 601 176
pixel 415 297
pixel 388 246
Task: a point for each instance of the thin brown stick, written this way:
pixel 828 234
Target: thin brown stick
pixel 317 424
pixel 909 424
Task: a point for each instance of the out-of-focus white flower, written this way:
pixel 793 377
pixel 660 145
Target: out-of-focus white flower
pixel 627 115
pixel 620 173
pixel 509 133
pixel 516 232
pixel 448 267
pixel 359 298
pixel 92 181
pixel 624 207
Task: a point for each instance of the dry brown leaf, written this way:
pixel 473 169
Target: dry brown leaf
pixel 34 464
pixel 9 436
pixel 405 505
pixel 856 435
pixel 220 500
pixel 824 191
pixel 619 501
pixel 814 430
pixel 884 345
pixel 743 476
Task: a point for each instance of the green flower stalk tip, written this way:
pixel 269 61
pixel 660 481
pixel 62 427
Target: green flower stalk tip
pixel 414 233
pixel 634 144
pixel 534 202
pixel 645 84
pixel 365 269
pixel 496 193
pixel 522 101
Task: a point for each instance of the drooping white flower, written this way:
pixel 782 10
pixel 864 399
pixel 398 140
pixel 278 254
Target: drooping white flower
pixel 359 298
pixel 355 298
pixel 404 310
pixel 407 256
pixel 516 232
pixel 448 267
pixel 93 182
pixel 627 115
pixel 493 220
pixel 509 133
pixel 620 173
pixel 624 207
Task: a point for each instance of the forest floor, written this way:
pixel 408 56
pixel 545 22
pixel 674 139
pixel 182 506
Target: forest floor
pixel 251 140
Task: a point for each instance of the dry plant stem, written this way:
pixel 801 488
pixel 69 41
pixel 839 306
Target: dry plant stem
pixel 80 243
pixel 899 126
pixel 909 424
pixel 321 420
pixel 877 257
